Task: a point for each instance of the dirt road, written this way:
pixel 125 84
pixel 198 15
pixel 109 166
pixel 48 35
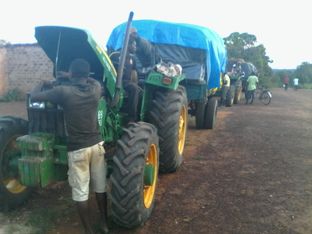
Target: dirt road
pixel 252 174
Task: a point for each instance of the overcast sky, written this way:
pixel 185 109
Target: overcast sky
pixel 283 27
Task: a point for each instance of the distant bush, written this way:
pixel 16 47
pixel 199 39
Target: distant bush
pixel 13 95
pixel 307 86
pixel 270 82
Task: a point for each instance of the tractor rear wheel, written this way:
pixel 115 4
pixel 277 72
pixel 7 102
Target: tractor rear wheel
pixel 200 114
pixel 169 115
pixel 229 99
pixel 12 192
pixel 211 113
pixel 134 176
pixel 237 95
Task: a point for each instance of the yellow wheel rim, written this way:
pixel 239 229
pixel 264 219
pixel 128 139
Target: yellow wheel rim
pixel 182 130
pixel 14 186
pixel 149 190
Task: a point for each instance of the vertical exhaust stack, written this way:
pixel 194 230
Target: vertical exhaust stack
pixel 122 61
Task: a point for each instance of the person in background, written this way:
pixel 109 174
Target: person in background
pixel 252 82
pixel 86 162
pixel 296 83
pixel 285 82
pixel 226 82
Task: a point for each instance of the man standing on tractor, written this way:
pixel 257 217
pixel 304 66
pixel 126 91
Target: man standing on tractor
pixel 86 162
pixel 145 51
pixel 129 80
pixel 141 53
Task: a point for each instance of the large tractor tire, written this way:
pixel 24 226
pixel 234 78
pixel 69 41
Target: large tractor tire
pixel 12 192
pixel 211 113
pixel 237 96
pixel 169 114
pixel 229 99
pixel 134 175
pixel 200 114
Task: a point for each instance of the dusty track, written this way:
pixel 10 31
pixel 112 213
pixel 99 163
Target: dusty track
pixel 251 174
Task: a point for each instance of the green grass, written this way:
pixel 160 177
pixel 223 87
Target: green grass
pixel 307 86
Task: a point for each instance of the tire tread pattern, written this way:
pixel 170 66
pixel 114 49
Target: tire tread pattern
pixel 211 113
pixel 127 178
pixel 10 126
pixel 165 116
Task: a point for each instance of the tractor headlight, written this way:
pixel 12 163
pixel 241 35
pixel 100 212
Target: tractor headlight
pixel 38 105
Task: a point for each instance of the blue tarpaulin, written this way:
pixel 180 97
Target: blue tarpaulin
pixel 186 35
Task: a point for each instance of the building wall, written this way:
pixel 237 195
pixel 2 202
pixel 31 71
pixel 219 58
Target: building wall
pixel 22 66
pixel 3 72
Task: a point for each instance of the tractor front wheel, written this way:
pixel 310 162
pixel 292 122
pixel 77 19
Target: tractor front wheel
pixel 169 115
pixel 12 192
pixel 134 176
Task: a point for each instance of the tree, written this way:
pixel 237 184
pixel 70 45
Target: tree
pixel 279 74
pixel 304 72
pixel 3 42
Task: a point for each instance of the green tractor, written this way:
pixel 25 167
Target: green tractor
pixel 33 153
pixel 198 50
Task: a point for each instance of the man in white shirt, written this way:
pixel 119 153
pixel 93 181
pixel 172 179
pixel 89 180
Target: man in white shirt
pixel 296 83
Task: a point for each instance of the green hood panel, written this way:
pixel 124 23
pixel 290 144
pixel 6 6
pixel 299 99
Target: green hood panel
pixel 64 44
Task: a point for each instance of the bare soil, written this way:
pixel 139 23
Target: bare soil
pixel 251 174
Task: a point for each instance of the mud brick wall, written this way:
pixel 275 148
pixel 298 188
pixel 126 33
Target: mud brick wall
pixel 3 73
pixel 22 66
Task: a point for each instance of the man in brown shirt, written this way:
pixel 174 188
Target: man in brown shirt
pixel 86 162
